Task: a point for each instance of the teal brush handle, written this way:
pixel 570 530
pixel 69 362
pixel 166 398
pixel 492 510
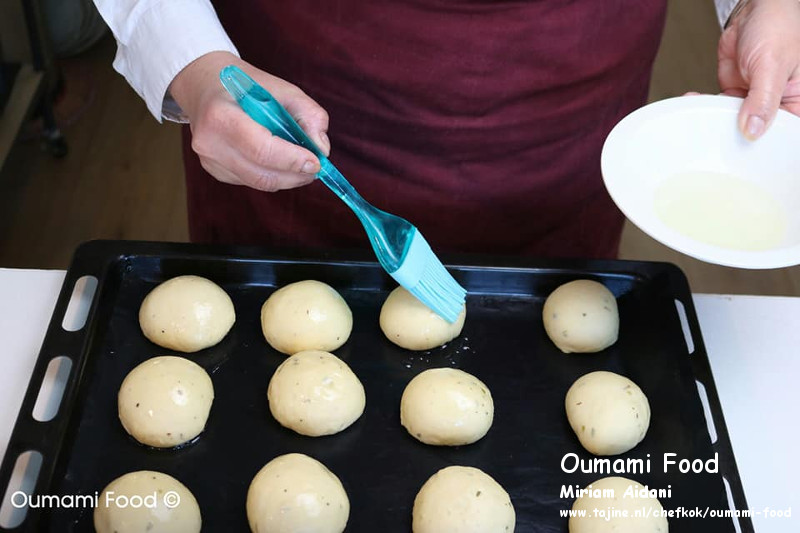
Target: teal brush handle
pixel 382 228
pixel 262 107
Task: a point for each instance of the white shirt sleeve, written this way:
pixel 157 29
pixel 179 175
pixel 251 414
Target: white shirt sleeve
pixel 724 10
pixel 156 39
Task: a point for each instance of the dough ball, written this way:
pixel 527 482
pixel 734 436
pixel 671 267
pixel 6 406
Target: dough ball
pixel 632 504
pixel 609 413
pixel 146 501
pixel 446 406
pixel 410 324
pixel 307 315
pixel 315 393
pixel 462 499
pixel 295 493
pixel 581 316
pixel 187 314
pixel 165 401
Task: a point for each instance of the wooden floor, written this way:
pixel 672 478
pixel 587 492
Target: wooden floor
pixel 123 178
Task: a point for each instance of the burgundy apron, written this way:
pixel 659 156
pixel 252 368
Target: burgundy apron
pixel 480 121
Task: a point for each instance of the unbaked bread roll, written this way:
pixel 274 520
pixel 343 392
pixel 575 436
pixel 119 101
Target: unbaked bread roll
pixel 295 493
pixel 462 499
pixel 307 315
pixel 315 393
pixel 146 501
pixel 187 314
pixel 609 413
pixel 410 324
pixel 581 316
pixel 650 519
pixel 165 401
pixel 446 406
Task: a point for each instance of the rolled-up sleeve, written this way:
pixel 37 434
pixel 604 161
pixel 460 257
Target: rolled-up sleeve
pixel 724 10
pixel 156 39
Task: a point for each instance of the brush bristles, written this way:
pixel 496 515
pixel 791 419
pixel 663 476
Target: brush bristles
pixel 438 290
pixel 424 276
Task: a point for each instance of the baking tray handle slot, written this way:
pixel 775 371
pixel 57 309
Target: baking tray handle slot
pixel 712 428
pixel 20 486
pixel 79 304
pixel 52 389
pixel 732 504
pixel 687 331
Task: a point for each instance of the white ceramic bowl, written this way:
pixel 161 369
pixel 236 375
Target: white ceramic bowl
pixel 699 134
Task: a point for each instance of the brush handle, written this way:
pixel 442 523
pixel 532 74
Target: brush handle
pixel 262 107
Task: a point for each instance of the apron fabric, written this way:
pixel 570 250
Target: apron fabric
pixel 479 121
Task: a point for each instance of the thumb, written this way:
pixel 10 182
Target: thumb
pixel 767 83
pixel 311 117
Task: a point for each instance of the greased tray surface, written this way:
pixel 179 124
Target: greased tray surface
pixel 382 468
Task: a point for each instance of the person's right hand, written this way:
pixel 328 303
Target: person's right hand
pixel 232 147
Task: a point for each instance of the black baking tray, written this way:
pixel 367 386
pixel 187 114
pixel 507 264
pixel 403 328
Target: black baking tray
pixel 503 343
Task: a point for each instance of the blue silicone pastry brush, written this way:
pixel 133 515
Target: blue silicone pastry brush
pixel 399 246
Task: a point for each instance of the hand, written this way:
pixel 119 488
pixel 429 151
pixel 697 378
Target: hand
pixel 759 58
pixel 232 147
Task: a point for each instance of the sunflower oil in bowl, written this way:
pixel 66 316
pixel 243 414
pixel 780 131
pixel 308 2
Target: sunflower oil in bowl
pixel 721 210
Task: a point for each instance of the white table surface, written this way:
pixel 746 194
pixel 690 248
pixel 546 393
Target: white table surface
pixel 752 342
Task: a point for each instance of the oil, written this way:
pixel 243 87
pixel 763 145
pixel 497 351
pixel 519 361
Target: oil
pixel 722 210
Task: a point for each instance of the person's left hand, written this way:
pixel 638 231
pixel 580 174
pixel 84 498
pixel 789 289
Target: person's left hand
pixel 759 59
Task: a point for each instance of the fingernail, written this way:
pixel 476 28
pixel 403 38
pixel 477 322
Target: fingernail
pixel 326 143
pixel 309 167
pixel 755 127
